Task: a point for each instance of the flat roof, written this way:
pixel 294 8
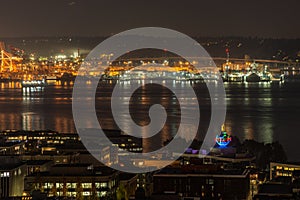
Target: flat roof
pixel 274 188
pixel 10 166
pixel 37 162
pixel 76 170
pixel 182 171
pixel 126 176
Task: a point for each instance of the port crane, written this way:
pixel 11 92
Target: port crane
pixel 8 60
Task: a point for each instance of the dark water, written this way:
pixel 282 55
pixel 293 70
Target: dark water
pixel 265 112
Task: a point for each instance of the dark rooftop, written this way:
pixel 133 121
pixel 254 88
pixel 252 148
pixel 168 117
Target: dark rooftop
pixel 202 169
pixel 10 144
pixel 10 166
pixel 275 188
pixel 37 162
pixel 126 176
pixel 77 170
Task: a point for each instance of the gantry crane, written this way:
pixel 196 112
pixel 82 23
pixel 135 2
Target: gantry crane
pixel 8 61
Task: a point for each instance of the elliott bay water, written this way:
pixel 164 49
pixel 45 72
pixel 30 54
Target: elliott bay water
pixel 265 112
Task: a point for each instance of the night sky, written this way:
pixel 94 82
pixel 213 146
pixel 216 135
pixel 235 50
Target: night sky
pixel 263 18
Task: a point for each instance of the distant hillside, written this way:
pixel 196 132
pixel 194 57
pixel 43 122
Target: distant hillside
pixel 279 49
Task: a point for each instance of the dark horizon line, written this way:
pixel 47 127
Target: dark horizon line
pixel 192 36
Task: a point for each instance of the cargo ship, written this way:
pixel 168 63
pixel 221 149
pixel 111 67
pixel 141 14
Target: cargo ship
pixel 33 83
pixel 252 75
pixel 235 77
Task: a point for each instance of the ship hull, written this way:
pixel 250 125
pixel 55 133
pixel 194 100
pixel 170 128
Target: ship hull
pixel 33 83
pixel 253 78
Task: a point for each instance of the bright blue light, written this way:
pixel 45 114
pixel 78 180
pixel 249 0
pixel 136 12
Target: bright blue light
pixel 223 140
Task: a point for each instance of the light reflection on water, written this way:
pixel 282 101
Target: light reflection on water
pixel 264 112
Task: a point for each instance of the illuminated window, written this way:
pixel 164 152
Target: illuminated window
pixel 59 185
pixel 86 185
pixel 101 194
pixel 86 193
pixel 48 185
pixel 278 173
pixel 209 181
pixel 101 185
pixel 71 194
pixel 4 174
pixel 71 185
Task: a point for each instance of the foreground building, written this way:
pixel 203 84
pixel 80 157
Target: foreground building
pixel 74 180
pixel 273 191
pixel 283 169
pixel 203 182
pixel 12 179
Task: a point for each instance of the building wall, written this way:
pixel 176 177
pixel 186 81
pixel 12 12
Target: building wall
pixel 12 181
pixel 17 180
pixel 72 186
pixel 282 169
pixel 206 186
